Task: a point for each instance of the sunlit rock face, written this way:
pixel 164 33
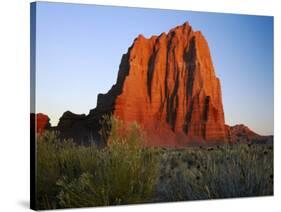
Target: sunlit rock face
pixel 42 123
pixel 167 84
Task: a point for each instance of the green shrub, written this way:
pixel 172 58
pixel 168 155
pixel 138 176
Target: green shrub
pixel 124 172
pixel 121 173
pixel 48 167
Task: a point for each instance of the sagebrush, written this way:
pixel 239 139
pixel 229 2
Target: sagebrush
pixel 127 172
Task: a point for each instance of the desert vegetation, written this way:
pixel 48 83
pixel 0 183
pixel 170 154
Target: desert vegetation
pixel 126 172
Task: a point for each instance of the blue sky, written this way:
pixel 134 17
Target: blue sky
pixel 79 48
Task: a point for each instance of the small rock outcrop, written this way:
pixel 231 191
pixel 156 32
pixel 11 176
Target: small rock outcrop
pixel 83 129
pixel 42 122
pixel 243 134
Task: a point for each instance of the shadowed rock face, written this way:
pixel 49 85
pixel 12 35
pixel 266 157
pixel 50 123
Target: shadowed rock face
pixel 81 128
pixel 167 84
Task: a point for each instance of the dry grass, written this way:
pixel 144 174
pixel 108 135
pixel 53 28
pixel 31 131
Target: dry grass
pixel 124 172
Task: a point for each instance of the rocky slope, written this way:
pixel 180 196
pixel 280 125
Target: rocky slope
pixel 243 134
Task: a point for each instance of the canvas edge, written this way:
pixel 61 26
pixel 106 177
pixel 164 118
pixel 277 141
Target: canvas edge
pixel 32 106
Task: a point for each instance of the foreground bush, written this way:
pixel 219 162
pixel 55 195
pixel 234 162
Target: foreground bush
pixel 75 176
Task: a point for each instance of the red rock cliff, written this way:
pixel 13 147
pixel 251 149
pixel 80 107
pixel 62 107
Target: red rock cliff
pixel 168 85
pixel 42 122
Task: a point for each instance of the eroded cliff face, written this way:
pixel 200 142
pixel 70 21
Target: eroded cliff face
pixel 167 84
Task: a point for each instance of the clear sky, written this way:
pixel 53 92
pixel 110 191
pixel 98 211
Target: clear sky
pixel 79 48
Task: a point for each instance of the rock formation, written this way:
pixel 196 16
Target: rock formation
pixel 242 134
pixel 167 84
pixel 81 128
pixel 42 122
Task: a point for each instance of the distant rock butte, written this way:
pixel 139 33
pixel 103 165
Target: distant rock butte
pixel 42 122
pixel 242 134
pixel 167 84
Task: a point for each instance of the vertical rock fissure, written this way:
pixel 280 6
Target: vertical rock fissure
pixel 166 80
pixel 189 59
pixel 150 72
pixel 205 115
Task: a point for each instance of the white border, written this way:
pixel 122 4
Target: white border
pixel 14 102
